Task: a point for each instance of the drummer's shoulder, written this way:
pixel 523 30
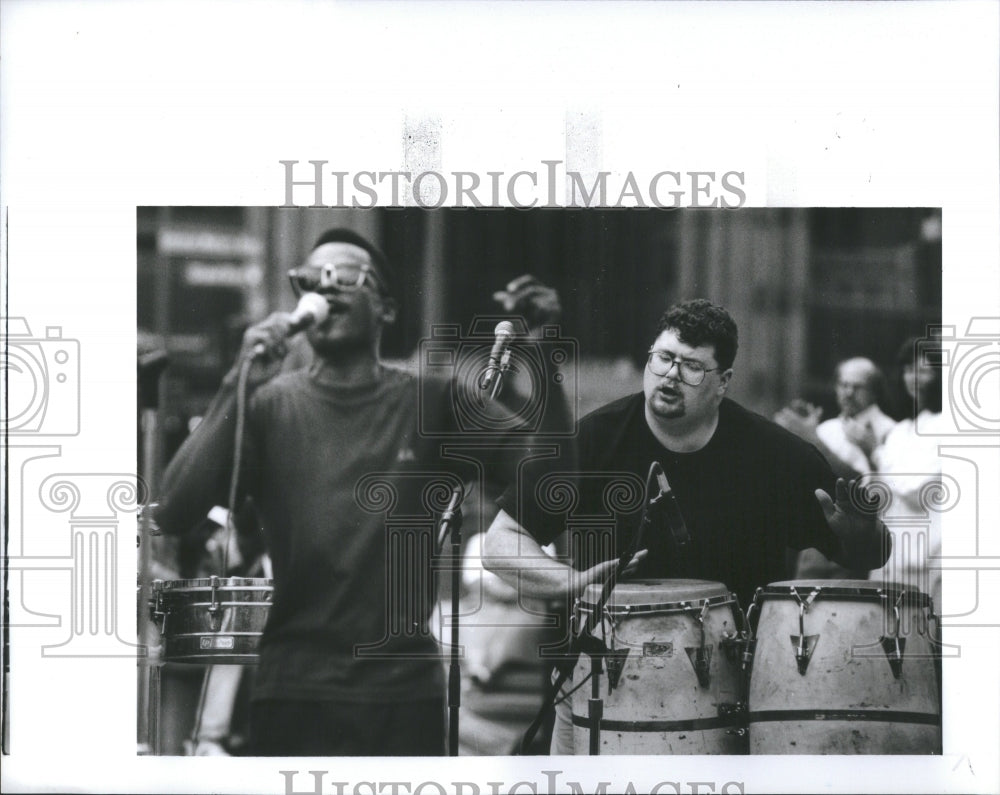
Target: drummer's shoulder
pixel 613 413
pixel 759 427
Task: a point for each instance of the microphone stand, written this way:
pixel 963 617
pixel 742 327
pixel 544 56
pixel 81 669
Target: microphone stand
pixel 585 642
pixel 451 523
pixel 150 368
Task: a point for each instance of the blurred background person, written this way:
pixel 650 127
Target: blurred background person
pixel 908 464
pixel 859 387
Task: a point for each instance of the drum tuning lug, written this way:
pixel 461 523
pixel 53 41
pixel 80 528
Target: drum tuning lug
pixel 732 644
pixel 155 601
pixel 804 646
pixel 214 609
pixel 748 652
pixel 701 659
pixel 893 648
pixel 614 661
pixel 732 708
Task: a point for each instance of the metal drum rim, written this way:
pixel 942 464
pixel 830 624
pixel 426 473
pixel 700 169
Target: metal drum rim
pixel 221 584
pixel 685 606
pixel 828 588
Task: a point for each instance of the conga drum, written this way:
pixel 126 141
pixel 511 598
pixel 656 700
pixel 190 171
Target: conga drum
pixel 212 620
pixel 672 676
pixel 843 667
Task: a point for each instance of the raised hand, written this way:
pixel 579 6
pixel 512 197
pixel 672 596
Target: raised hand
pixel 529 297
pixel 853 518
pixel 801 418
pixel 862 434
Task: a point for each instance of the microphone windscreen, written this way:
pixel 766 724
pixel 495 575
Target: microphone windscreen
pixel 314 305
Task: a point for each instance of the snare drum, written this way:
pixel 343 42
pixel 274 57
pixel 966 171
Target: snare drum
pixel 215 620
pixel 672 684
pixel 843 667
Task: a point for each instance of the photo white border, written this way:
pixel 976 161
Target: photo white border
pixel 108 105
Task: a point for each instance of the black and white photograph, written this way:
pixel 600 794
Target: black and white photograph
pixel 607 508
pixel 528 396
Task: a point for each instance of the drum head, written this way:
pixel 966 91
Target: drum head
pixel 644 592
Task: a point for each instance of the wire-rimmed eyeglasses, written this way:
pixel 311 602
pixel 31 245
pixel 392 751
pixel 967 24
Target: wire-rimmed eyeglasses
pixel 310 278
pixel 691 372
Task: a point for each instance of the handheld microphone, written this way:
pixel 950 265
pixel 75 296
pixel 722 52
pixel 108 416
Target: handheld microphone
pixel 500 355
pixel 311 310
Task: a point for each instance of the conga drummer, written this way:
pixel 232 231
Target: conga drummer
pixel 749 493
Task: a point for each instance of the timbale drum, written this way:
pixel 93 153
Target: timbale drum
pixel 672 675
pixel 214 620
pixel 843 667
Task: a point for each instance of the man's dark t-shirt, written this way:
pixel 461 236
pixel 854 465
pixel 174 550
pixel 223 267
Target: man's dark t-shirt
pixel 746 497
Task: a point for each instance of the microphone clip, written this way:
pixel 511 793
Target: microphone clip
pixel 451 518
pixel 666 503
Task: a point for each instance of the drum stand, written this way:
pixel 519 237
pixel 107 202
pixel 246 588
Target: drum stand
pixel 451 523
pixel 595 704
pixel 149 659
pixel 662 504
pixel 150 366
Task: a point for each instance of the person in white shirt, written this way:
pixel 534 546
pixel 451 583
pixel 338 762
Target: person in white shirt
pixel 907 465
pixel 859 386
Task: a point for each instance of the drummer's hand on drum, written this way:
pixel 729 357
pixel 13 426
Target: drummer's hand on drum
pixel 853 518
pixel 599 574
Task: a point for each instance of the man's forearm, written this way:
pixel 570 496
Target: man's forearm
pixel 517 559
pixel 198 474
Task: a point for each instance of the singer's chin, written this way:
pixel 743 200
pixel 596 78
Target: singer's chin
pixel 334 345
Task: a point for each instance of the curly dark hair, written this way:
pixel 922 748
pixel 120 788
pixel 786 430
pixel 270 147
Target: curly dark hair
pixel 700 322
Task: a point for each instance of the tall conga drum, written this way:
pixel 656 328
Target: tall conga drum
pixel 843 667
pixel 671 681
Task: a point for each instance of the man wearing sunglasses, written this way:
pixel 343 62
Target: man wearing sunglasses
pixel 747 490
pixel 348 665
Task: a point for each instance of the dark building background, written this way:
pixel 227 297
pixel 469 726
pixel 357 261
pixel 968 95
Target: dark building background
pixel 808 287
